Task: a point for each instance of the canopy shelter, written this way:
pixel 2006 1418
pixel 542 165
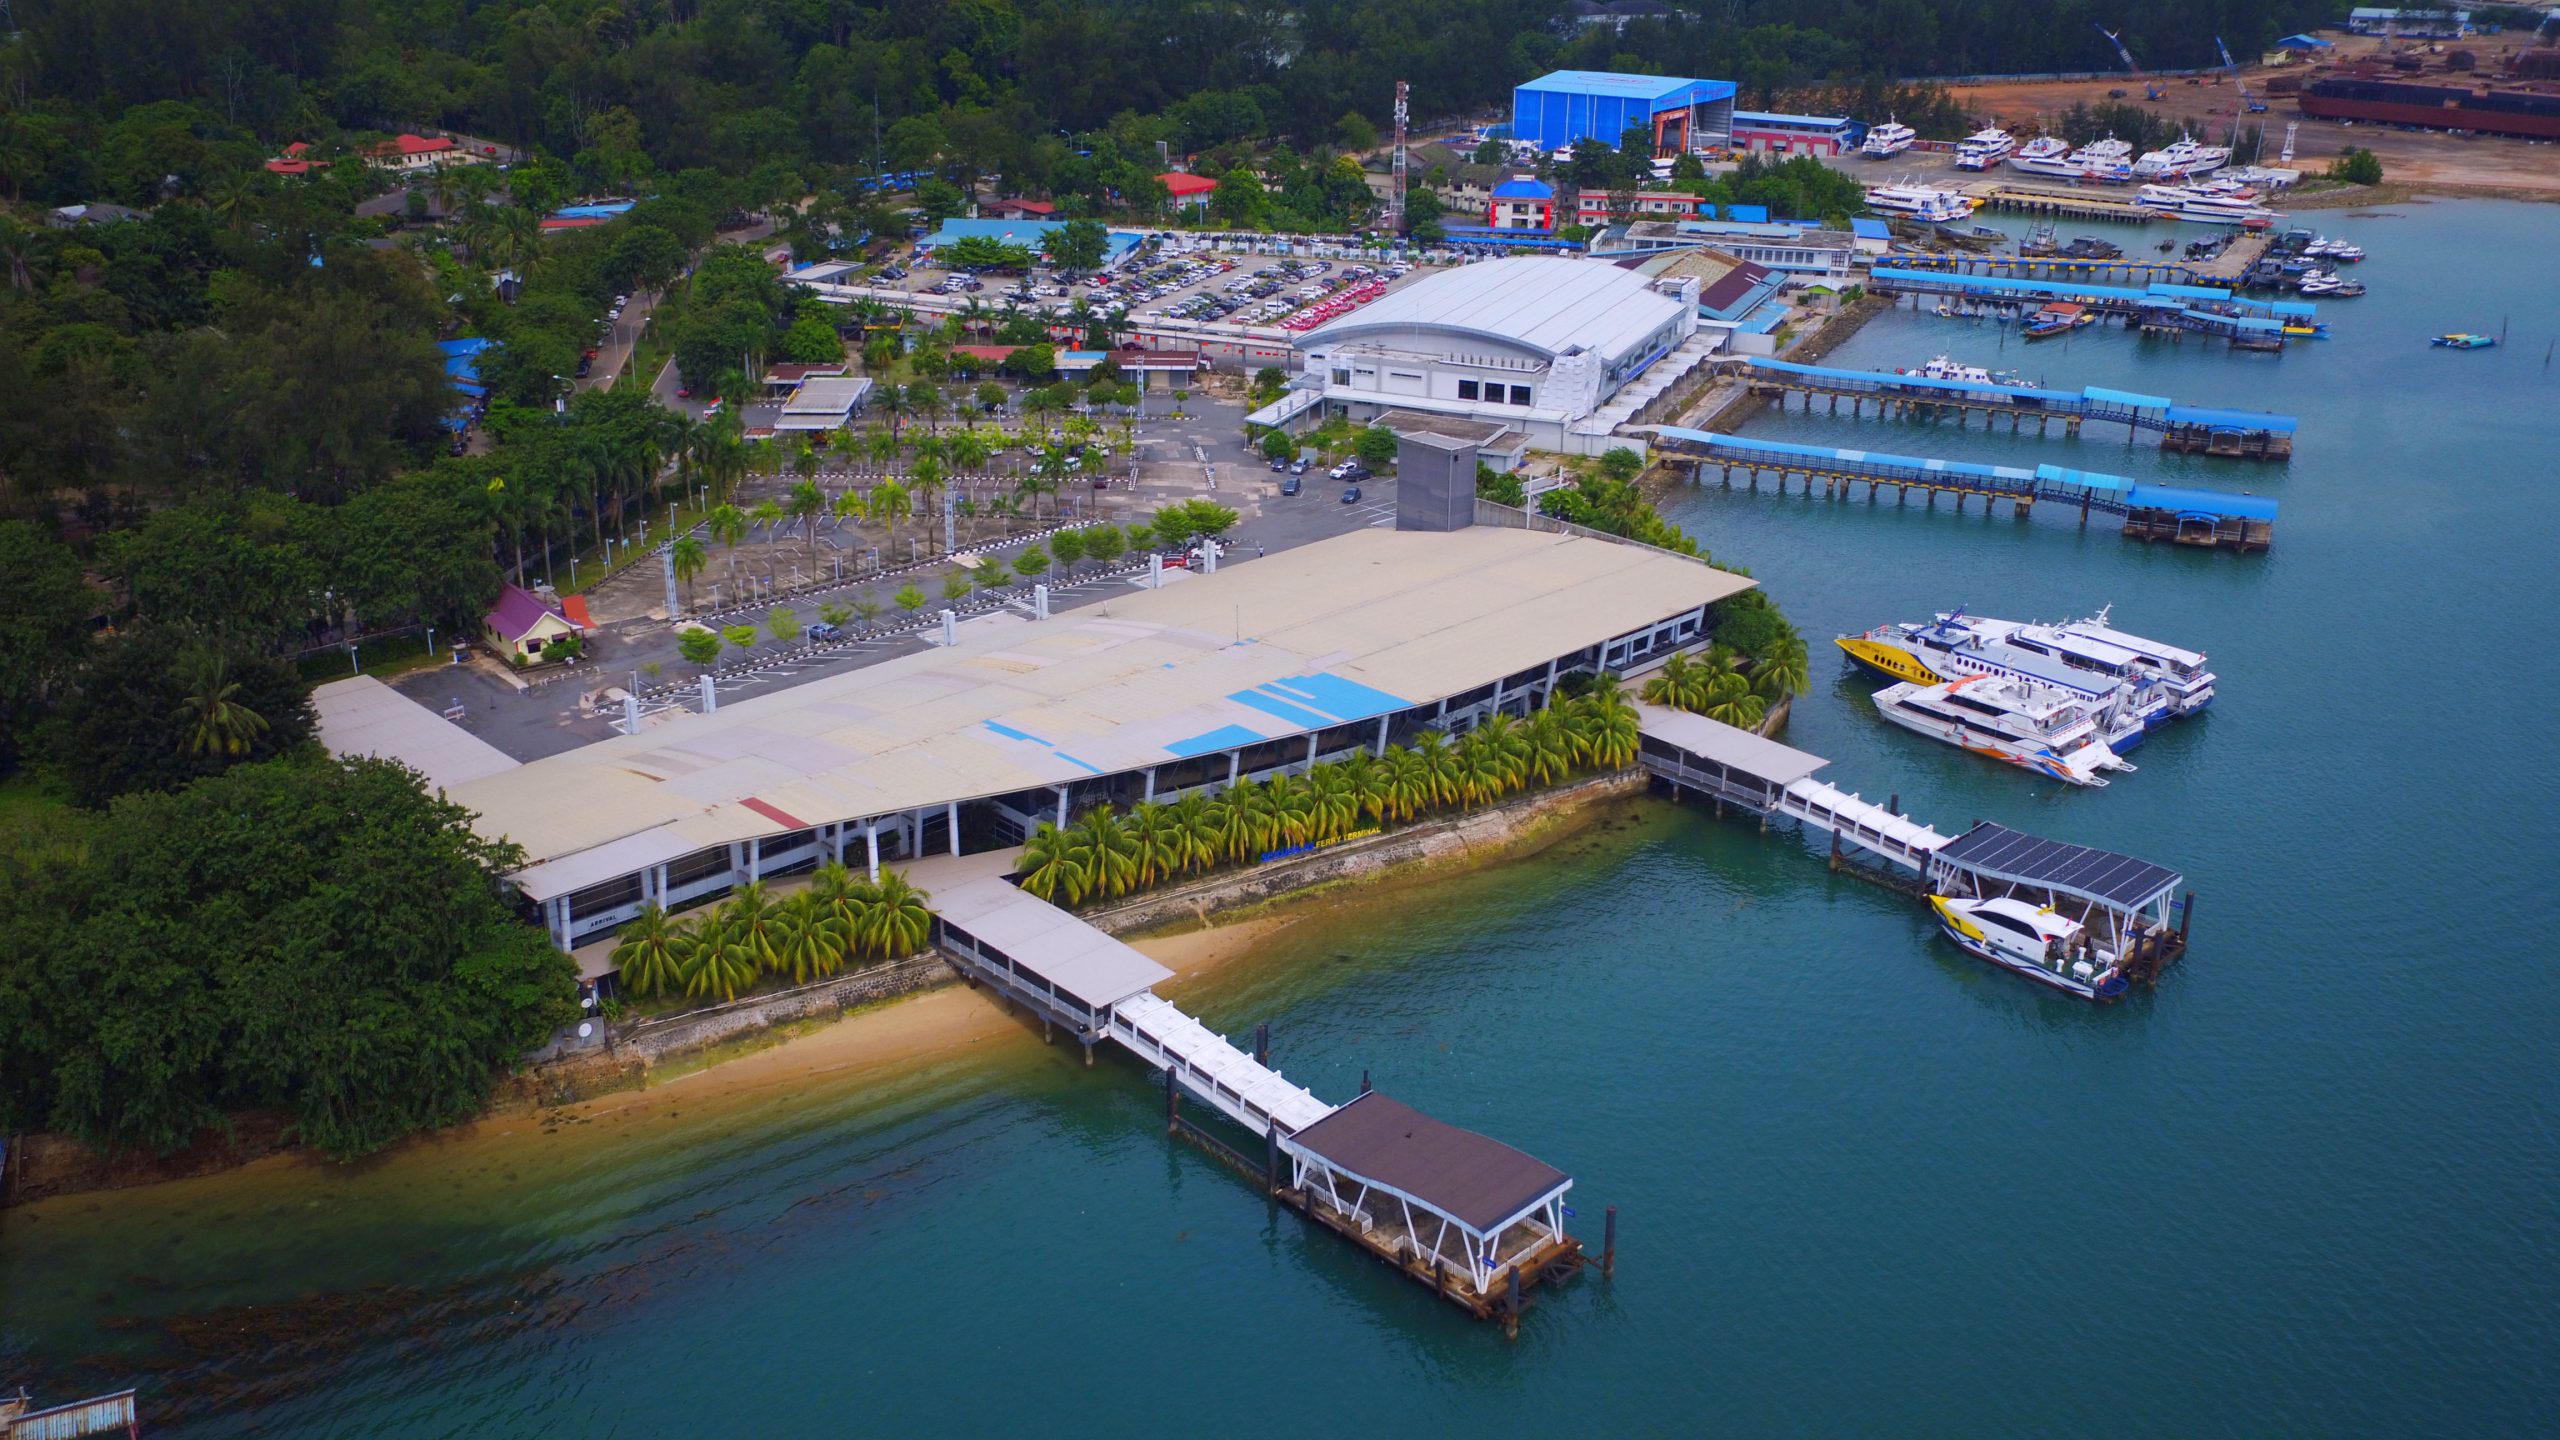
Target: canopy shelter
pixel 2122 895
pixel 1425 1187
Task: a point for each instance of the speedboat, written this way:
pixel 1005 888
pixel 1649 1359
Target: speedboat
pixel 1920 202
pixel 2042 156
pixel 2341 250
pixel 2101 160
pixel 2018 722
pixel 2038 942
pixel 2345 288
pixel 1888 140
pixel 1984 148
pixel 2318 282
pixel 2180 159
pixel 1941 367
pixel 2464 340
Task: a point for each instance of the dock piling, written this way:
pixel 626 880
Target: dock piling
pixel 1172 1104
pixel 1262 1044
pixel 1271 1160
pixel 1609 1243
pixel 1364 1079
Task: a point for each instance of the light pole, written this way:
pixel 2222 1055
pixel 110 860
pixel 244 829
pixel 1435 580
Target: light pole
pixel 431 640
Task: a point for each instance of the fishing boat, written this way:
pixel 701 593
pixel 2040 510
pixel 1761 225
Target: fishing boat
pixel 2016 722
pixel 1920 202
pixel 2180 159
pixel 2464 340
pixel 2038 942
pixel 2058 318
pixel 1888 140
pixel 2041 240
pixel 2126 708
pixel 1984 148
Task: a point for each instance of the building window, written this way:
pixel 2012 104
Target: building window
pixel 1466 390
pixel 1519 394
pixel 1341 377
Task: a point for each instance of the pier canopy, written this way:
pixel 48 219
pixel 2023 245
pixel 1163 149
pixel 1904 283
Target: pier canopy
pixel 1999 854
pixel 1716 759
pixel 1067 964
pixel 1497 1204
pixel 2244 421
pixel 2212 504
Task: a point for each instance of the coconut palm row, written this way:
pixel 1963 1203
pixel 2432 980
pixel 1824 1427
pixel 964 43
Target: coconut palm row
pixel 1107 854
pixel 839 921
pixel 1723 686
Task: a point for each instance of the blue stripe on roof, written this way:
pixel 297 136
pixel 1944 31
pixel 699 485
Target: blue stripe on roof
pixel 1297 715
pixel 1225 737
pixel 1343 699
pixel 1010 733
pixel 1086 764
pixel 2231 419
pixel 2087 479
pixel 2204 502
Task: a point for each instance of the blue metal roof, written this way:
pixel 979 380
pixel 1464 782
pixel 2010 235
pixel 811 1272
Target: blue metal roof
pixel 2127 398
pixel 1870 230
pixel 2231 419
pixel 2190 292
pixel 1524 189
pixel 1748 214
pixel 2085 479
pixel 1662 90
pixel 2201 502
pixel 1712 441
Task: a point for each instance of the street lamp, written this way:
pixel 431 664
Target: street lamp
pixel 431 640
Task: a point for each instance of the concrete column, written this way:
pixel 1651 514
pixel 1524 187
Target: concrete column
pixel 871 844
pixel 951 822
pixel 835 842
pixel 558 909
pixel 755 859
pixel 1235 767
pixel 1380 750
pixel 950 629
pixel 710 696
pixel 1062 807
pixel 1151 783
pixel 1311 749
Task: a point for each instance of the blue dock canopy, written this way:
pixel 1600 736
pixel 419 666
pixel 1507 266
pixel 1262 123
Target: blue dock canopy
pixel 2230 419
pixel 2084 479
pixel 2127 398
pixel 2205 504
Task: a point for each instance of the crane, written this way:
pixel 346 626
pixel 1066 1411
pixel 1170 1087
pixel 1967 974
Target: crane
pixel 2255 105
pixel 2149 90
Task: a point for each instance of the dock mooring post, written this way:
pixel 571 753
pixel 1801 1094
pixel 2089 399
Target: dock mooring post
pixel 1511 1304
pixel 1609 1243
pixel 1172 1103
pixel 1893 803
pixel 1262 1044
pixel 1271 1158
pixel 1364 1079
pixel 2186 917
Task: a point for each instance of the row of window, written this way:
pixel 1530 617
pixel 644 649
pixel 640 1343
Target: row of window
pixel 1491 393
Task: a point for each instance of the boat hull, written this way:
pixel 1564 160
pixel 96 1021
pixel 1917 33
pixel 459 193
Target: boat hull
pixel 2035 759
pixel 1890 661
pixel 2096 992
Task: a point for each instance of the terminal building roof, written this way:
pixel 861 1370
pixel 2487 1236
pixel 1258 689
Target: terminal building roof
pixel 1541 303
pixel 1344 630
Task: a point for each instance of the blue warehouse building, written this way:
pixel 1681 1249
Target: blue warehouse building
pixel 1559 108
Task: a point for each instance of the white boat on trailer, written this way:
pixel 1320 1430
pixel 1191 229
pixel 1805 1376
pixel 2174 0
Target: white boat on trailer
pixel 1888 140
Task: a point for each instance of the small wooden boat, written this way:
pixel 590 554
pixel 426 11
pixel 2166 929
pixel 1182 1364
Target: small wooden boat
pixel 2465 341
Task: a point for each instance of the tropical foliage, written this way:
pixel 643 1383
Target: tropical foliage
pixel 839 921
pixel 1107 854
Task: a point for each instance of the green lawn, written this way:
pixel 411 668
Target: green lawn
pixel 37 825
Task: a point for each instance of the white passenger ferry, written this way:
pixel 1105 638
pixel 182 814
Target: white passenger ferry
pixel 1888 140
pixel 2035 727
pixel 1984 148
pixel 2126 708
pixel 2181 159
pixel 1920 202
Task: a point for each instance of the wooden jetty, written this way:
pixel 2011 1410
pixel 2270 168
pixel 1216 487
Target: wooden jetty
pixel 1477 1222
pixel 2240 434
pixel 2207 518
pixel 2129 906
pixel 2072 204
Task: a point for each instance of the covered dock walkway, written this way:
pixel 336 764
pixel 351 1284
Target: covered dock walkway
pixel 2237 433
pixel 2154 308
pixel 2150 512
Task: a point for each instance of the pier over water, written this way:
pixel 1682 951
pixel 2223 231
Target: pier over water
pixel 2238 434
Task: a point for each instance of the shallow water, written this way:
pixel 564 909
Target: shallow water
pixel 1867 1184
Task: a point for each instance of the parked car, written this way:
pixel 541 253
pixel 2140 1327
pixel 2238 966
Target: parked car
pixel 1290 486
pixel 1279 465
pixel 1351 496
pixel 1297 467
pixel 824 633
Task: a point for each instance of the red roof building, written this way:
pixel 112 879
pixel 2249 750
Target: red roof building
pixel 1021 210
pixel 1186 189
pixel 416 152
pixel 294 162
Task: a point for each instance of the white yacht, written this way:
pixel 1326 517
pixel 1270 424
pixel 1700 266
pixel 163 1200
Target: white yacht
pixel 1984 148
pixel 2101 160
pixel 2093 645
pixel 2038 942
pixel 2182 202
pixel 2110 160
pixel 2035 727
pixel 1888 140
pixel 2042 156
pixel 2181 159
pixel 1920 202
pixel 1943 367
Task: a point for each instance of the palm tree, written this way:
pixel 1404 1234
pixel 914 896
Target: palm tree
pixel 892 400
pixel 1439 770
pixel 1783 670
pixel 1332 808
pixel 768 513
pixel 1364 779
pixel 715 963
pixel 846 898
pixel 806 503
pixel 651 952
pixel 1732 700
pixel 1193 825
pixel 755 925
pixel 211 719
pixel 1253 820
pixel 1546 747
pixel 1611 733
pixel 688 557
pixel 968 450
pixel 813 941
pixel 1150 828
pixel 881 446
pixel 1476 770
pixel 900 920
pixel 1404 784
pixel 1108 851
pixel 728 525
pixel 1681 684
pixel 1499 738
pixel 1053 867
pixel 889 505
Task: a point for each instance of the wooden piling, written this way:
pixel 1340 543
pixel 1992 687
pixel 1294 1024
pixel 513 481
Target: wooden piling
pixel 1609 1243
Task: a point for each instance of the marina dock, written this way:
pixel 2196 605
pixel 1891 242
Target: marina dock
pixel 1475 1221
pixel 2156 309
pixel 2206 518
pixel 2130 905
pixel 2073 204
pixel 2231 264
pixel 2240 434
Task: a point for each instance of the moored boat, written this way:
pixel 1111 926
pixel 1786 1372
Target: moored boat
pixel 2180 159
pixel 2464 340
pixel 2127 702
pixel 1920 202
pixel 1984 148
pixel 2017 722
pixel 1888 140
pixel 2038 942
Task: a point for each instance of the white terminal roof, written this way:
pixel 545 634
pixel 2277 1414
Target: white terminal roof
pixel 1332 633
pixel 825 400
pixel 1072 956
pixel 1540 302
pixel 362 716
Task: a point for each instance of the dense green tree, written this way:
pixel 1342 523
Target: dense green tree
pixel 313 936
pixel 161 705
pixel 44 632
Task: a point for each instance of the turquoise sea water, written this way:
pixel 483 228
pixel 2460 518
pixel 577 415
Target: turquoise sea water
pixel 1867 1185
